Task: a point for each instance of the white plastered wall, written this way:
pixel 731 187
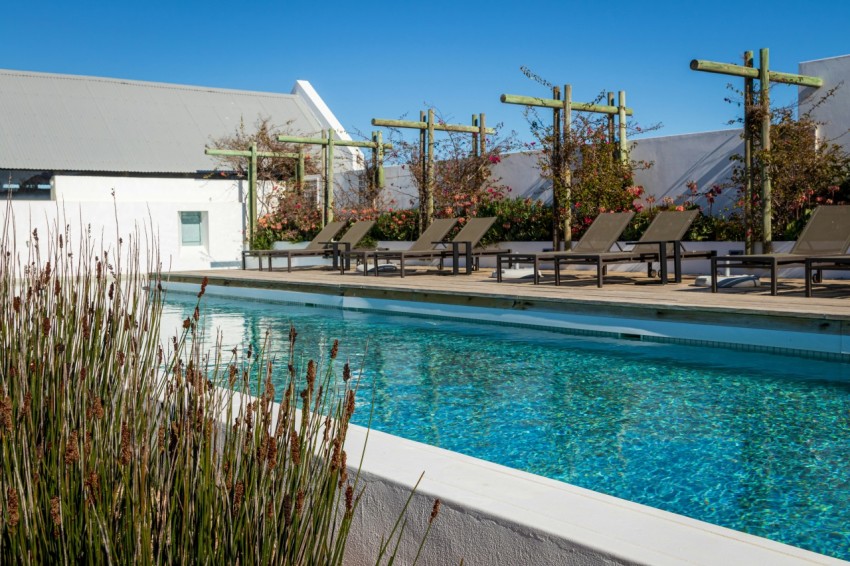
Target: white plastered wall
pixel 150 206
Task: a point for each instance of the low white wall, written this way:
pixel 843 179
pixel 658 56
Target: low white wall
pixel 152 206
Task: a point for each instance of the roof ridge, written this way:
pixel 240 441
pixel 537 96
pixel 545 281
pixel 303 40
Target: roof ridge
pixel 136 82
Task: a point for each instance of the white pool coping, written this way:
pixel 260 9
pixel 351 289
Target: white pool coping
pixel 493 514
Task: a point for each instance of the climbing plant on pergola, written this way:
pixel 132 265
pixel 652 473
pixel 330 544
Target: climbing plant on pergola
pixel 765 76
pixel 327 142
pixel 427 127
pixel 562 109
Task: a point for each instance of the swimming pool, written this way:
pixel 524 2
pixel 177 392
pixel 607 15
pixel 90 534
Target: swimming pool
pixel 754 442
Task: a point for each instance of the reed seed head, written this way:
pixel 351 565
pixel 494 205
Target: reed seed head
pixel 295 448
pixel 72 450
pixel 12 506
pixel 299 502
pixel 6 413
pixel 349 498
pixel 349 404
pixel 335 349
pixel 126 444
pixel 238 492
pixel 346 372
pixel 311 374
pixel 272 452
pixel 435 510
pixel 55 512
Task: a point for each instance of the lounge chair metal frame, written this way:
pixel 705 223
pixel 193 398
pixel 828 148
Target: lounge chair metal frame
pixel 826 234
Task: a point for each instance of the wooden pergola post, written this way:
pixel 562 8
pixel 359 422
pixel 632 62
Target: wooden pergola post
pixel 765 76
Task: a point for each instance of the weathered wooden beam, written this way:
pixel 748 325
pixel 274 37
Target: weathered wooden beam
pixel 424 126
pixel 557 164
pixel 329 179
pixel 621 122
pixel 252 192
pixel 751 73
pixel 237 153
pixel 748 156
pixel 766 191
pixel 324 141
pixel 553 103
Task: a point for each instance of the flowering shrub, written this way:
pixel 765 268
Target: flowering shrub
pixel 517 220
pixel 292 219
pixel 396 225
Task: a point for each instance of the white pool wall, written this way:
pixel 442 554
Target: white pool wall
pixel 698 333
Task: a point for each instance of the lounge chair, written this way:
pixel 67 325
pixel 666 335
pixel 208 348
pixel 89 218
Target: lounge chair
pixel 827 233
pixel 318 243
pixel 660 242
pixel 323 244
pixel 598 239
pixel 465 242
pixel 426 244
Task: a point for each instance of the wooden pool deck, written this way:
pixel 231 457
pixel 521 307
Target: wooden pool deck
pixel 624 294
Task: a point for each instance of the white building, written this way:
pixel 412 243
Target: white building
pixel 97 149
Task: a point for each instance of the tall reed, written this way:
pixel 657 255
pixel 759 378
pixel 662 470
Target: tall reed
pixel 117 448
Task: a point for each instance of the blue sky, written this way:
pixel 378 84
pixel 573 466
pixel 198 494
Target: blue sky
pixel 390 59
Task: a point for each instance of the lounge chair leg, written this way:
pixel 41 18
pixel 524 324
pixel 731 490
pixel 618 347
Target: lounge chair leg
pixel 773 289
pixel 809 279
pixel 713 274
pixel 601 270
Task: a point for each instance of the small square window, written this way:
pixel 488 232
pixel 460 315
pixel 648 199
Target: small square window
pixel 190 229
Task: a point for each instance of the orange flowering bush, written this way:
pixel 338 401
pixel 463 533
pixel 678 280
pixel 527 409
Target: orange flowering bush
pixel 292 219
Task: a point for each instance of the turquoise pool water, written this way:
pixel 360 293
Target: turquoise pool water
pixel 754 442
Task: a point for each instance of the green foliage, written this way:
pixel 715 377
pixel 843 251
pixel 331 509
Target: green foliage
pixel 116 448
pixel 517 220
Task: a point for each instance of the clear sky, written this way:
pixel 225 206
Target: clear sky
pixel 390 59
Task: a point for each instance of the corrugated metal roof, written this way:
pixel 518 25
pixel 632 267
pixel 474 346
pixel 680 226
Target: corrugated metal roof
pixel 74 123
